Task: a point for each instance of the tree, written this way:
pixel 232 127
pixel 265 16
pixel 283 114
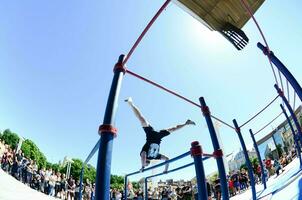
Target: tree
pixel 255 164
pixel 243 166
pixel 214 177
pixel 279 150
pixel 30 150
pixel 10 138
pixel 117 182
pixel 135 185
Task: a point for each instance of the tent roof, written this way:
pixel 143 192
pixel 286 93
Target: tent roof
pixel 215 14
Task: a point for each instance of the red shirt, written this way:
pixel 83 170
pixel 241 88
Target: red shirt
pixel 268 163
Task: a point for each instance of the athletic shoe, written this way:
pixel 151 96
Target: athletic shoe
pixel 190 122
pixel 128 100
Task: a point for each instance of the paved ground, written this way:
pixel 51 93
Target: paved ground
pixel 11 189
pixel 287 186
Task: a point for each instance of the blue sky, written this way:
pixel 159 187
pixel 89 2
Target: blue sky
pixel 56 60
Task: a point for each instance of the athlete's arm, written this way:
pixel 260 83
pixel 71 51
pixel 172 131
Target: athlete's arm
pixel 179 126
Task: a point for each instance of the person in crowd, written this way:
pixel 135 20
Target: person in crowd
pixel 77 191
pixel 217 189
pixel 231 187
pixel 52 183
pixel 63 191
pixel 71 188
pixel 87 190
pixel 277 166
pixel 235 178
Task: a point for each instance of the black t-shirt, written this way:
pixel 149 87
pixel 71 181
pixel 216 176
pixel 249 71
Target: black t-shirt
pixel 153 139
pixel 19 157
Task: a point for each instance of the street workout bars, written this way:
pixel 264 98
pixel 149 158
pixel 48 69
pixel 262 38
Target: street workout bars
pixel 161 164
pixel 249 10
pixel 174 93
pixel 179 168
pixel 268 124
pixel 95 148
pixel 139 39
pixel 258 113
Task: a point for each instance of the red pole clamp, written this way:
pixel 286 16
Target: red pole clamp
pixel 218 153
pixel 281 93
pixel 205 110
pixel 119 67
pixel 107 128
pixel 195 149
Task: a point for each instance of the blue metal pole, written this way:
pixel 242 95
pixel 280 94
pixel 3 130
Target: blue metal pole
pixel 281 94
pixel 222 175
pixel 81 182
pixel 125 188
pixel 247 159
pixel 291 79
pixel 146 189
pixel 259 158
pixel 196 153
pixel 107 132
pixel 294 135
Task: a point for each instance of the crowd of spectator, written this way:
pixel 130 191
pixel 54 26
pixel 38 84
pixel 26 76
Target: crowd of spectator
pixel 47 181
pixel 56 184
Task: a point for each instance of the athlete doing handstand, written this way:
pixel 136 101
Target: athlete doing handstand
pixel 150 150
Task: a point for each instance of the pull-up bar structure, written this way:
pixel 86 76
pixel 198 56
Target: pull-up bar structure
pixel 258 113
pixel 282 68
pixel 259 159
pixel 95 148
pixel 108 131
pixel 175 94
pixel 247 159
pixel 266 125
pixel 153 167
pixel 196 153
pixel 296 138
pixel 289 108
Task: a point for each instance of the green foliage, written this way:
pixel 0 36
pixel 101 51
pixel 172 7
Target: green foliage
pixel 135 185
pixel 10 138
pixel 243 167
pixel 76 167
pixel 213 177
pixel 31 151
pixel 117 182
pixel 279 149
pixel 255 164
pixel 89 173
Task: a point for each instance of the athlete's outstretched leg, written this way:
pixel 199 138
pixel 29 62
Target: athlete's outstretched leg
pixel 165 158
pixel 137 113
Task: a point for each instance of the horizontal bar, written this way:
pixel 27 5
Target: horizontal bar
pixel 161 164
pixel 95 148
pixel 208 155
pixel 268 124
pixel 176 169
pixel 258 113
pixel 173 93
pixel 169 171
